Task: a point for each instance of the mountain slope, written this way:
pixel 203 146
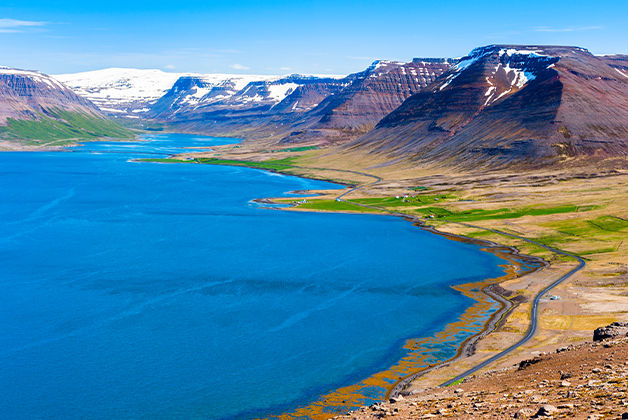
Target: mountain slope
pixel 377 91
pixel 36 108
pixel 506 104
pixel 192 95
pixel 297 108
pixel 118 91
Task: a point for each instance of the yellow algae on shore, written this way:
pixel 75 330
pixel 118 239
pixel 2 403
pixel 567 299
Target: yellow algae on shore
pixel 424 353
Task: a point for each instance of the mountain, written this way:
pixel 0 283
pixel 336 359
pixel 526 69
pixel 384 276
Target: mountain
pixel 505 104
pixel 36 108
pixel 219 93
pixel 132 93
pixel 297 108
pixel 122 92
pixel 374 93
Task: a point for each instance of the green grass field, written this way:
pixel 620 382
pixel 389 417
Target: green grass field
pixel 61 127
pixel 276 164
pixel 333 205
pixel 503 213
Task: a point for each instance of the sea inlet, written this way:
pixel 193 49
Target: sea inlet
pixel 135 290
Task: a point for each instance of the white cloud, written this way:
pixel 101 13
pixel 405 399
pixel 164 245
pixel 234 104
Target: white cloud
pixel 170 66
pixel 570 29
pixel 239 67
pixel 12 25
pixel 285 68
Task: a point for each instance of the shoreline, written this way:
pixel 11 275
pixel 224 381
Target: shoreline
pixel 467 347
pixel 518 265
pixel 490 290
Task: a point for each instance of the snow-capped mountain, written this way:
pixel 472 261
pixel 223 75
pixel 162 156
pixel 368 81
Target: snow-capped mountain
pixel 508 103
pixel 297 108
pixel 132 92
pixel 203 94
pixel 120 91
pixel 377 91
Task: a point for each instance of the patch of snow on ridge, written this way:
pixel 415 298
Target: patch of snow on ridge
pixel 279 92
pixel 465 63
pixel 521 77
pixel 513 51
pixel 35 75
pixel 119 87
pixel 115 86
pixel 380 67
pixel 622 73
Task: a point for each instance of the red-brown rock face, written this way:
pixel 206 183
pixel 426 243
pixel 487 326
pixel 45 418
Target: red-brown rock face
pixel 24 94
pixel 312 106
pixel 376 92
pixel 503 104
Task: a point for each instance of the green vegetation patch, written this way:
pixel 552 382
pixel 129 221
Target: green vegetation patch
pixel 392 202
pixel 63 127
pixel 458 382
pixel 595 236
pixel 610 223
pixel 298 149
pixel 333 205
pixel 273 165
pixel 497 214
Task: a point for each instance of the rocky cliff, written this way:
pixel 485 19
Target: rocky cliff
pixel 503 104
pixel 374 93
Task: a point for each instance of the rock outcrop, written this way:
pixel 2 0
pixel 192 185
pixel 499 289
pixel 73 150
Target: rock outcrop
pixel 597 388
pixel 615 330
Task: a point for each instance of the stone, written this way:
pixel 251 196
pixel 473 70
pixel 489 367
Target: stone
pixel 546 410
pixel 565 383
pixel 458 391
pixel 524 413
pixel 615 330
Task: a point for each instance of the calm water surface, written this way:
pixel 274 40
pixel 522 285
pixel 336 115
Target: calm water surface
pixel 161 291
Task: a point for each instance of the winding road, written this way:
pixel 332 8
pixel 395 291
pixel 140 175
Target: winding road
pixel 534 317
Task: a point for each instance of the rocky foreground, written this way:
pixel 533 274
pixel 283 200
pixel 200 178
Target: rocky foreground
pixel 583 381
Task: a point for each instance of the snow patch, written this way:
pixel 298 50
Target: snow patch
pixel 278 93
pixel 465 63
pixel 622 73
pixel 513 51
pixel 35 76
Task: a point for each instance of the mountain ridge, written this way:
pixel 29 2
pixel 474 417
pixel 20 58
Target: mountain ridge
pixel 510 104
pixel 37 109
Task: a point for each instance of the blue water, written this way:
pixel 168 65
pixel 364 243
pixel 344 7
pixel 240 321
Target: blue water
pixel 161 291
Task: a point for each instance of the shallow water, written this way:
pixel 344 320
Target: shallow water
pixel 161 291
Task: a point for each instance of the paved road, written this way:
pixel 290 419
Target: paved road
pixel 534 321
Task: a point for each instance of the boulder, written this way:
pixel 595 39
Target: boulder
pixel 524 413
pixel 615 330
pixel 546 410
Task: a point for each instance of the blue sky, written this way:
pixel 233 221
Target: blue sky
pixel 280 37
